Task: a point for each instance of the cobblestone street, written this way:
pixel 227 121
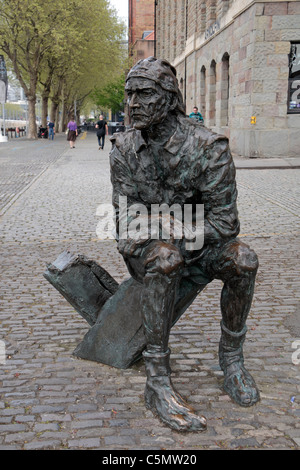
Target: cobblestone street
pixel 51 400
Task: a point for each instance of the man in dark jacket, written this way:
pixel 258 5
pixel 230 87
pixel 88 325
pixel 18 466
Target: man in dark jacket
pixel 167 158
pixel 102 131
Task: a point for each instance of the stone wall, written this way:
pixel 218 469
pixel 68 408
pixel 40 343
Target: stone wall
pixel 234 67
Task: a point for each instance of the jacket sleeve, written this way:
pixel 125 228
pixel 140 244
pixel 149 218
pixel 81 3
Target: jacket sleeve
pixel 124 191
pixel 219 193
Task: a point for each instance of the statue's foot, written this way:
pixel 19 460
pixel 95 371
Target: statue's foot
pixel 240 385
pixel 163 400
pixel 238 382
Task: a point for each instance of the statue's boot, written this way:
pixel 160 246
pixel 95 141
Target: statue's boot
pixel 238 382
pixel 163 400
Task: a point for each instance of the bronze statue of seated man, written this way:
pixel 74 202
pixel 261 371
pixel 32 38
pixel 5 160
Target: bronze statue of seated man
pixel 168 158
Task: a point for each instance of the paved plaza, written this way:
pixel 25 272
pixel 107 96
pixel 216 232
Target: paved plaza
pixel 49 399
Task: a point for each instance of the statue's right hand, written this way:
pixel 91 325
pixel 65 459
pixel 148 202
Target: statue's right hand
pixel 131 248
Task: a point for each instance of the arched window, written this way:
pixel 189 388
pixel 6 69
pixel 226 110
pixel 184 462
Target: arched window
pixel 181 86
pixel 203 91
pixel 212 94
pixel 224 89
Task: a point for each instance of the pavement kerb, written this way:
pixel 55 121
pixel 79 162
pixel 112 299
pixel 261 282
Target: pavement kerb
pixel 266 163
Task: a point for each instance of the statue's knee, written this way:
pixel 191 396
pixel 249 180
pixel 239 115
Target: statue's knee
pixel 237 259
pixel 246 259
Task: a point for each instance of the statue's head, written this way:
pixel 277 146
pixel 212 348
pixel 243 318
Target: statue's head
pixel 153 92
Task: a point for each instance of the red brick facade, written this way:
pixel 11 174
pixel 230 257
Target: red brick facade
pixel 141 19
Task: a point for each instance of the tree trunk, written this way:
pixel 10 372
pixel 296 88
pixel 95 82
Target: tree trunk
pixel 77 117
pixel 57 119
pixel 55 101
pixel 65 117
pixel 32 130
pixel 45 97
pixel 53 112
pixel 62 117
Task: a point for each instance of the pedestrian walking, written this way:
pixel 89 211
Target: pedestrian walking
pixel 51 130
pixel 72 132
pixel 102 130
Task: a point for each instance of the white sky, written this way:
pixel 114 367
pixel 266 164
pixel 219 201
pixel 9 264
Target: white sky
pixel 122 7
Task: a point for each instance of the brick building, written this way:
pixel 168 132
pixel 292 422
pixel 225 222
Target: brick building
pixel 239 62
pixel 141 29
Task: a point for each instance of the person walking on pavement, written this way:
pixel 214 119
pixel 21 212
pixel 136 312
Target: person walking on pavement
pixel 51 130
pixel 196 115
pixel 72 132
pixel 102 130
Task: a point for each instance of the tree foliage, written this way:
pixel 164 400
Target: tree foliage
pixel 111 96
pixel 61 48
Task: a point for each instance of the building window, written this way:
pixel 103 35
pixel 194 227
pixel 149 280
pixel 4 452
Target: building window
pixel 225 90
pixel 294 79
pixel 212 94
pixel 203 91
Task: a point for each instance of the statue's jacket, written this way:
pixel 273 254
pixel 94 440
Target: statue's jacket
pixel 195 166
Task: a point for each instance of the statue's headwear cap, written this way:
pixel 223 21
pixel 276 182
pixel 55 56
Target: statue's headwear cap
pixel 161 72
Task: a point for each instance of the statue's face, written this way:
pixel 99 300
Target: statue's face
pixel 148 103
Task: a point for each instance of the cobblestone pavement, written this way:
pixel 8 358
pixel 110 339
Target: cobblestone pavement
pixel 51 400
pixel 23 161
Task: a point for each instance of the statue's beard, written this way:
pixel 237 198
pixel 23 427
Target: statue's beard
pixel 141 120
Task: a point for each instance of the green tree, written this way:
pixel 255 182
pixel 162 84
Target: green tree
pixel 102 59
pixel 52 45
pixel 25 27
pixel 111 96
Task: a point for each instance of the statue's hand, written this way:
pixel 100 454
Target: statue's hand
pixel 131 248
pixel 165 228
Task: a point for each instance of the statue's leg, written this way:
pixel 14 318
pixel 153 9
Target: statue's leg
pixel 163 264
pixel 122 312
pixel 237 267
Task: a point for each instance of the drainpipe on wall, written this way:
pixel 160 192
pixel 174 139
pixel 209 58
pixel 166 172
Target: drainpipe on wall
pixel 155 5
pixel 186 35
